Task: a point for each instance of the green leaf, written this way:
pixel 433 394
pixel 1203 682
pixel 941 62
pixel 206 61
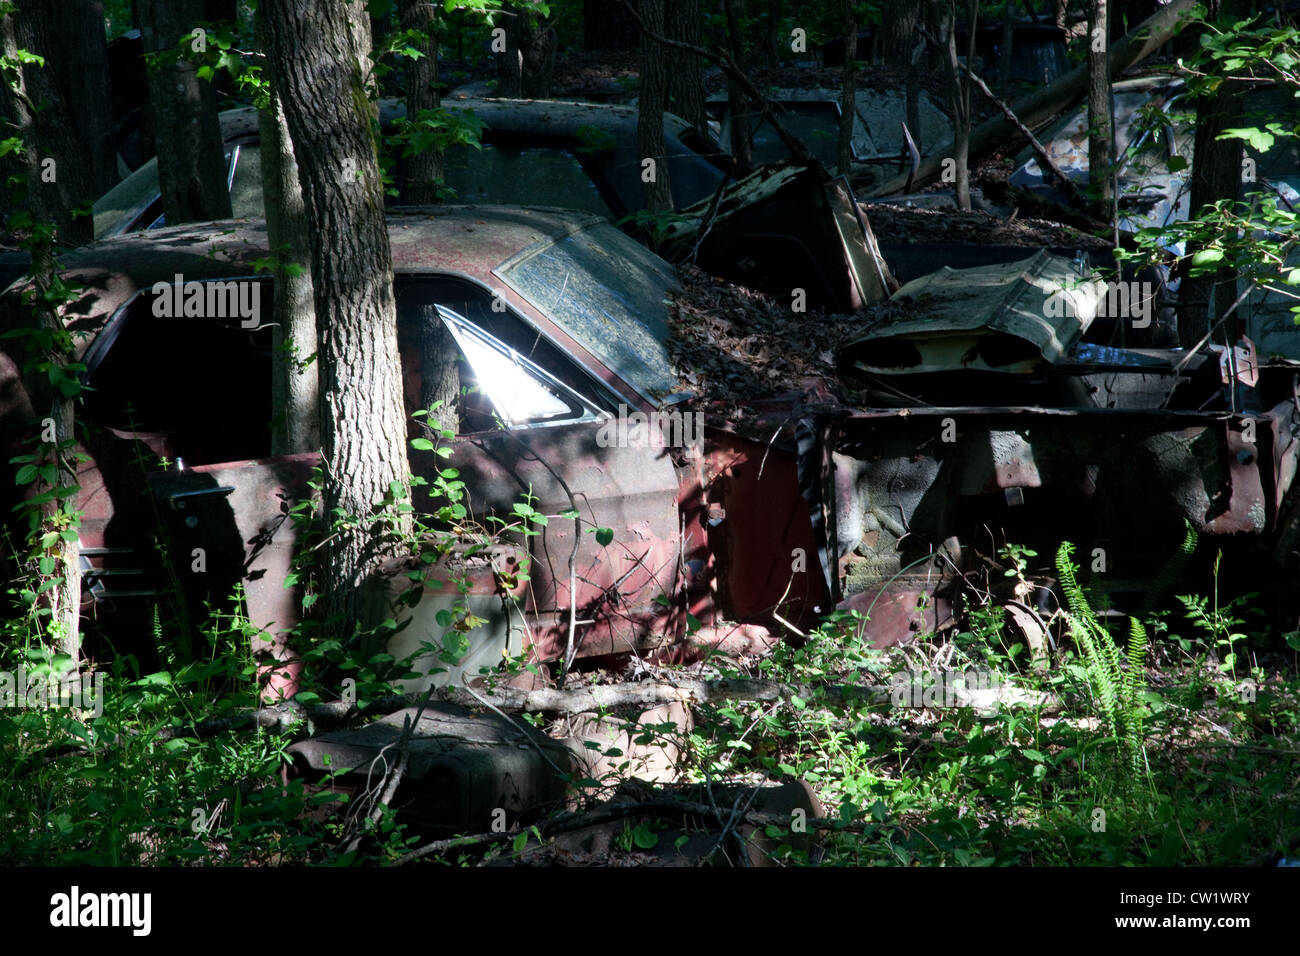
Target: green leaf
pixel 644 837
pixel 1176 164
pixel 604 536
pixel 1207 256
pixel 422 444
pixel 1259 139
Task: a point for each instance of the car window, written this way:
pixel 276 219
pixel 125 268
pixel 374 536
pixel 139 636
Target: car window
pixel 521 176
pixel 608 292
pixel 136 202
pixel 489 363
pixel 519 391
pixel 203 383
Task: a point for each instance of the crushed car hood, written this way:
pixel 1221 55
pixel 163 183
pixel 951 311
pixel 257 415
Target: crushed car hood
pixel 1010 317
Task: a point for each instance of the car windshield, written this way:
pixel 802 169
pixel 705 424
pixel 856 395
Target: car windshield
pixel 608 292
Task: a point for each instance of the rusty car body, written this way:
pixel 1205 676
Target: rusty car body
pixel 583 332
pixel 1035 427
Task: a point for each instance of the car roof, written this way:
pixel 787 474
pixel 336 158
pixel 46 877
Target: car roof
pixel 557 119
pixel 471 241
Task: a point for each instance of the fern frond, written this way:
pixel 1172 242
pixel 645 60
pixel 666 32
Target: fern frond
pixel 1172 570
pixel 1115 679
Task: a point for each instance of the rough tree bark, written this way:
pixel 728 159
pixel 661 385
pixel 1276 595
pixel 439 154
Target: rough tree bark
pixel 439 374
pixel 685 71
pixel 191 154
pixel 650 111
pixel 363 429
pixel 44 122
pixel 510 62
pixel 423 170
pixel 1101 154
pixel 538 45
pixel 1216 175
pixel 848 89
pixel 43 112
pixel 363 41
pixel 80 65
pixel 899 20
pixel 295 385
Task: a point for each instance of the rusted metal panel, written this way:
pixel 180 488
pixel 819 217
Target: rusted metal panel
pixel 761 532
pixel 1121 480
pixel 237 515
pixel 901 611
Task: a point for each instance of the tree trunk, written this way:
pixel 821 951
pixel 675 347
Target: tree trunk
pixel 915 48
pixel 685 71
pixel 362 33
pixel 1045 103
pixel 1216 175
pixel 295 385
pixel 423 170
pixel 1007 51
pixel 510 64
pixel 737 103
pixel 363 431
pixel 1100 139
pixel 537 43
pixel 1060 12
pixel 439 373
pixel 650 111
pixel 47 136
pixel 898 28
pixel 771 34
pixel 46 115
pixel 958 101
pixel 848 99
pixel 80 65
pixel 191 154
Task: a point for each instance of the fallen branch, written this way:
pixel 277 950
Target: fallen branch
pixel 1044 157
pixel 662 808
pixel 580 700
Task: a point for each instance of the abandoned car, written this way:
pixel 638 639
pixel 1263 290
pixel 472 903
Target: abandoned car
pixel 569 368
pixel 992 407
